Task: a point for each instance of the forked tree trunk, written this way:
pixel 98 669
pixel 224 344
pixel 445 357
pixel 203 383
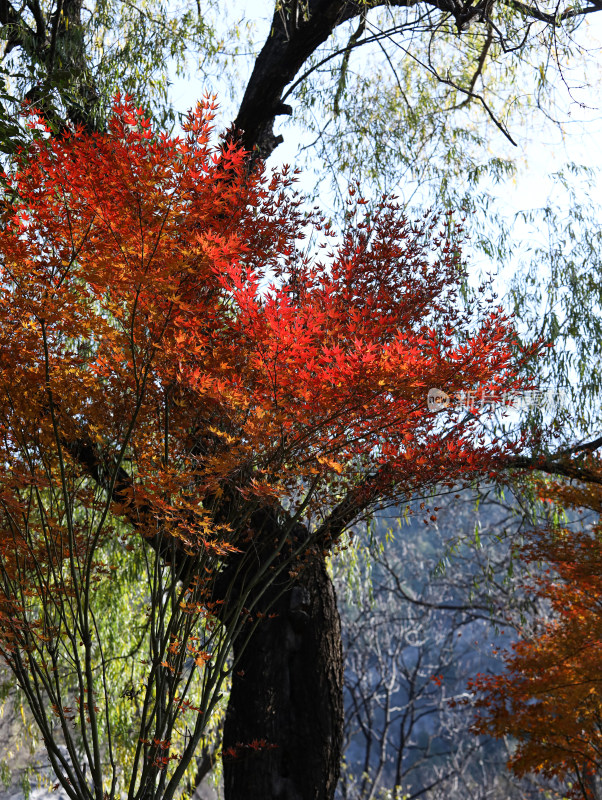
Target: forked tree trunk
pixel 287 691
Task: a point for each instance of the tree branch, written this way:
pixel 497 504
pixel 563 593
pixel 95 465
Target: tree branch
pixel 285 51
pixel 56 21
pixel 292 42
pixel 38 15
pixel 19 33
pixel 555 465
pixel 550 19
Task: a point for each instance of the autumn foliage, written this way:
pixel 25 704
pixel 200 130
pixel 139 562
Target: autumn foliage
pixel 550 698
pixel 175 359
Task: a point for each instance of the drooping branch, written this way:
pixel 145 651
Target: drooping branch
pixel 295 37
pixel 358 501
pixel 101 469
pixel 297 32
pixel 532 12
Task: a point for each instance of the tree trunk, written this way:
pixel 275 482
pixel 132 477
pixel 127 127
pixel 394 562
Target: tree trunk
pixel 287 698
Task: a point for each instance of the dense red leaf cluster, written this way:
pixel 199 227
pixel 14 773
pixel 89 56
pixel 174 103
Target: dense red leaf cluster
pixel 160 303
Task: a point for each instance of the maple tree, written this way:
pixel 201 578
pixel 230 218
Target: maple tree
pixel 68 59
pixel 179 370
pixel 549 699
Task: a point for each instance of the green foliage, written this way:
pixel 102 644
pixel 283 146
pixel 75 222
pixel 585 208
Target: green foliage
pixel 422 111
pixel 134 46
pixel 558 296
pixel 122 619
pixel 131 47
pixel 417 112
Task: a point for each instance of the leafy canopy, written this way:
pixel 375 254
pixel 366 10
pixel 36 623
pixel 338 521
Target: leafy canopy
pixel 178 367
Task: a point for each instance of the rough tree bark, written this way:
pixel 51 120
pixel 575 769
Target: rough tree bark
pixel 287 690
